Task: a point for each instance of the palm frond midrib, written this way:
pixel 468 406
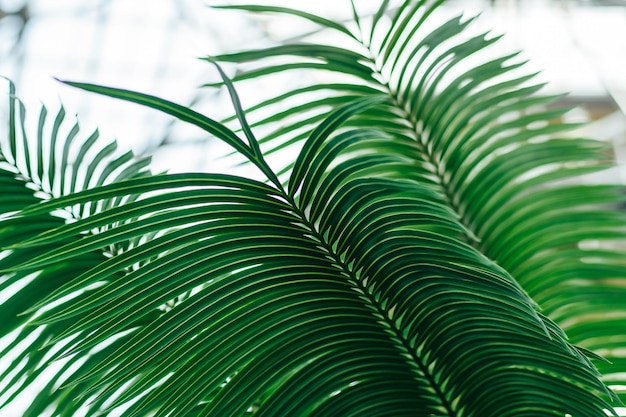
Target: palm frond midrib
pixel 431 161
pixel 401 342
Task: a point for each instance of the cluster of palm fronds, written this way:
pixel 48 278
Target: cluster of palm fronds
pixel 416 257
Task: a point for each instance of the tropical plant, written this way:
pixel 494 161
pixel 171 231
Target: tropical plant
pixel 420 255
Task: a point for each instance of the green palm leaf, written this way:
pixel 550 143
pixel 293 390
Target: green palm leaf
pixel 44 169
pixel 488 171
pixel 398 270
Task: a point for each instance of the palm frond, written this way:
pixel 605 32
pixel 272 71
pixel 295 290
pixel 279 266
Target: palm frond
pixel 498 156
pixel 395 268
pixel 57 163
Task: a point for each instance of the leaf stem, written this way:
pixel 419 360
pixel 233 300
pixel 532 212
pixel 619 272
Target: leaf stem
pixel 419 365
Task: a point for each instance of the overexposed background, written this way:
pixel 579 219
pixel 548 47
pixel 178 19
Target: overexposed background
pixel 152 46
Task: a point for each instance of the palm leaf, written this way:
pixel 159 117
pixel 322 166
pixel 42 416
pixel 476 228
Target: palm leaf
pixel 490 172
pixel 44 169
pixel 396 271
